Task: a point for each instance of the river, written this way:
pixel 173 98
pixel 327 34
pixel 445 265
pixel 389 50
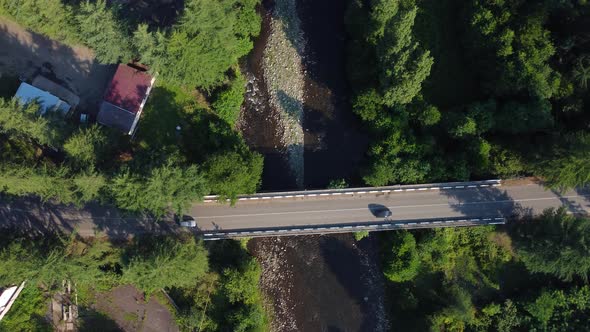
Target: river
pixel 312 283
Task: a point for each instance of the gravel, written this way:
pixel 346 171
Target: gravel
pixel 283 72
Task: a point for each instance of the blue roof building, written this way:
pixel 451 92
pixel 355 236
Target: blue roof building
pixel 27 93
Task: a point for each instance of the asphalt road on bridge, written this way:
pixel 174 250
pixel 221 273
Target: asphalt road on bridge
pixel 507 201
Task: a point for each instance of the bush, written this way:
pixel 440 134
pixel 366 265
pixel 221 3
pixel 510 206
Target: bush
pixel 231 174
pixel 227 102
pixel 28 312
pixel 360 235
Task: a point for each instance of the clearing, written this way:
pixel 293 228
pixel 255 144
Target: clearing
pixel 125 308
pixel 26 54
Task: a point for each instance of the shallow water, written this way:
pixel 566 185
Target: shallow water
pixel 334 144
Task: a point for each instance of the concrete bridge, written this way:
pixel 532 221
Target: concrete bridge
pixel 413 206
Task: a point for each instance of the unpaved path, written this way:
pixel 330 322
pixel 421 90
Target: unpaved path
pixel 131 312
pixel 26 54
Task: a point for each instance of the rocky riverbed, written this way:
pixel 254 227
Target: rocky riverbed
pixel 321 283
pixel 283 71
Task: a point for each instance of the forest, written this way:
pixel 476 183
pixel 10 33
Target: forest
pixel 529 276
pixel 458 90
pixel 448 90
pixel 214 285
pixel 195 54
pixel 199 86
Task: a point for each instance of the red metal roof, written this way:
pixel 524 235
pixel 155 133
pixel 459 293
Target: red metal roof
pixel 128 88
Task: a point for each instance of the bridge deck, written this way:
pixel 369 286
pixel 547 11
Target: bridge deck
pixel 348 212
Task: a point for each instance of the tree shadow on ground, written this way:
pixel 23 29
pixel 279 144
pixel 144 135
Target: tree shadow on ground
pixel 29 214
pixel 486 202
pixel 579 208
pixel 94 321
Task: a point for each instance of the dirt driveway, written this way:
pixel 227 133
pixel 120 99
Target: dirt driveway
pixel 27 54
pixel 126 306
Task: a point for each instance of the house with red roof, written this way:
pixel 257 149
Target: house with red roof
pixel 125 98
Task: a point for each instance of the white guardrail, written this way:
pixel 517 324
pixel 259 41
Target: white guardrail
pixel 348 228
pixel 361 191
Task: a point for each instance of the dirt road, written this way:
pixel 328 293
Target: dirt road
pixel 27 54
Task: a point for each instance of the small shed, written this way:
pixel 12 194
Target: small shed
pixel 125 98
pixel 27 93
pixel 57 90
pixel 7 297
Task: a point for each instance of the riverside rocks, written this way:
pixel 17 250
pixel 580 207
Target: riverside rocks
pixel 283 71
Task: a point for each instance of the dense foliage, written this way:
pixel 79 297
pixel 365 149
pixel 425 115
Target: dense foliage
pixel 207 39
pixel 220 294
pixel 229 298
pixel 186 144
pixel 453 90
pixel 530 277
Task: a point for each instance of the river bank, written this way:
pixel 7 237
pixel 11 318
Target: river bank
pixel 272 115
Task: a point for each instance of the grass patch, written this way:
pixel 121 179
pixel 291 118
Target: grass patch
pixel 450 82
pixel 130 317
pixel 167 107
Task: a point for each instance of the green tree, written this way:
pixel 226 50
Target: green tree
pixel 53 18
pixel 169 264
pixel 567 172
pixel 26 122
pixel 151 46
pixel 166 187
pixel 515 117
pixel 533 50
pixel 403 262
pixel 403 66
pixel 209 39
pixel 242 285
pixel 100 29
pixel 228 101
pixel 544 306
pixel 569 167
pixel 86 146
pixel 50 184
pixel 556 243
pixel 509 317
pixel 581 72
pixel 231 174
